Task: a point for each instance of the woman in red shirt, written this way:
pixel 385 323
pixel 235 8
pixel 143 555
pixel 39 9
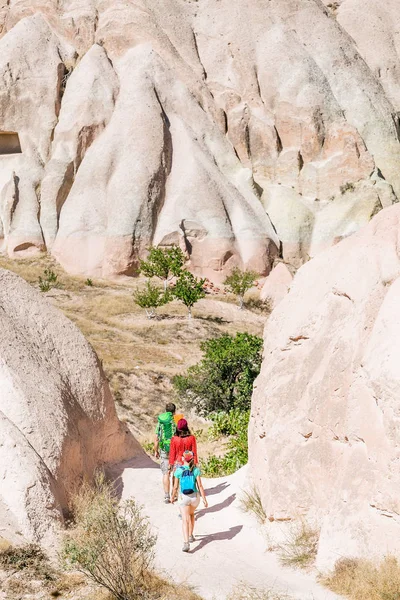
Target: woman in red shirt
pixel 181 441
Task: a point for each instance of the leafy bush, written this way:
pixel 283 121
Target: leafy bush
pixel 89 282
pixel 111 544
pixel 360 579
pixel 48 281
pixel 251 502
pixel 164 263
pixel 223 379
pixel 188 289
pixel 235 425
pixel 150 298
pixel 239 282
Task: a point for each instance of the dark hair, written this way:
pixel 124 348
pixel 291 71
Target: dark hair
pixel 170 407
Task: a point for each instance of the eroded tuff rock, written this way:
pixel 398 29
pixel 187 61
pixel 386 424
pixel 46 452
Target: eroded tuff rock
pixel 172 122
pixel 57 416
pixel 324 428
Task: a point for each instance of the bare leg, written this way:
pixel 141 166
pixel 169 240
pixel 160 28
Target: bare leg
pixel 166 482
pixel 191 525
pixel 185 522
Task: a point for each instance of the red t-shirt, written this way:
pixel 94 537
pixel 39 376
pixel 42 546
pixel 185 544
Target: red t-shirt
pixel 178 447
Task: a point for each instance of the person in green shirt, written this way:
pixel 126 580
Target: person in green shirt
pixel 164 431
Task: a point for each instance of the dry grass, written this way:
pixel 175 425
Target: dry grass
pixel 301 545
pixel 247 592
pixel 365 580
pixel 251 502
pixel 139 357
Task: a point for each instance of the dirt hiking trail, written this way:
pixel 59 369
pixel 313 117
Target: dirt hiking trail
pixel 230 548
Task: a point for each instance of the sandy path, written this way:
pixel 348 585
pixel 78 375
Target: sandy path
pixel 230 547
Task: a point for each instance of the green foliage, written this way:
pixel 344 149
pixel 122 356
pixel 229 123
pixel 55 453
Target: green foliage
pixel 48 281
pixel 188 289
pixel 164 263
pixel 223 379
pixel 150 298
pixel 235 425
pixel 111 543
pixel 228 423
pixel 239 282
pixel 89 282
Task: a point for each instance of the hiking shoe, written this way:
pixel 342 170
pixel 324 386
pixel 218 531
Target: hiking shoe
pixel 192 538
pixel 166 499
pixel 186 547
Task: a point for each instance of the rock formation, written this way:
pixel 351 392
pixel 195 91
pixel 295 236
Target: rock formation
pixel 324 429
pixel 276 285
pixel 195 122
pixel 57 416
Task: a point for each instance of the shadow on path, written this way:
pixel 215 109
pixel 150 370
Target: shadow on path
pixel 213 509
pixel 217 489
pixel 142 461
pixel 217 537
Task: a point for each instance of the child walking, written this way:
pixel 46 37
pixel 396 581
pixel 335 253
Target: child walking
pixel 188 483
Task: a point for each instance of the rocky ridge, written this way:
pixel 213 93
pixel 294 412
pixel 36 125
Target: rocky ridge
pixel 171 122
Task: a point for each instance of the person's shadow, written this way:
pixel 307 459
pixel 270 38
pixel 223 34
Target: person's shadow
pixel 217 489
pixel 217 537
pixel 217 507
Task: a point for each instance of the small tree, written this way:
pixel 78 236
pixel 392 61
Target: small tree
pixel 223 379
pixel 164 263
pixel 111 544
pixel 151 298
pixel 188 289
pixel 239 282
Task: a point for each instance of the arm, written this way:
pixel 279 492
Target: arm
pixel 156 447
pixel 174 494
pixel 202 492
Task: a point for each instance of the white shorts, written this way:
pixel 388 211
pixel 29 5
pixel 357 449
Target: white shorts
pixel 189 500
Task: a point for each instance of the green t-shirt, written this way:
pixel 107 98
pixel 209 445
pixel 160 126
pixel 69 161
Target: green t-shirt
pixel 196 473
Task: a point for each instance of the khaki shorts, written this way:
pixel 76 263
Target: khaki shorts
pixel 189 500
pixel 164 462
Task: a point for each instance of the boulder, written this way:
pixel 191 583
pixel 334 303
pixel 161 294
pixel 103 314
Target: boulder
pixel 57 416
pixel 276 285
pixel 324 428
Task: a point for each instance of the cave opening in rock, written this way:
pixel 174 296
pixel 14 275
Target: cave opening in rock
pixel 9 143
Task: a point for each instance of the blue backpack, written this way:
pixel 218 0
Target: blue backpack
pixel 188 482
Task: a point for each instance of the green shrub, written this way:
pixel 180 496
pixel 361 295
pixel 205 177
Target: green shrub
pixel 89 282
pixel 223 379
pixel 111 544
pixel 189 290
pixel 48 281
pixel 150 298
pixel 235 425
pixel 164 263
pixel 239 282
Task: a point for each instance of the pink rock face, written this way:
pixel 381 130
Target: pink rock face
pixel 276 285
pixel 324 430
pixel 57 419
pixel 135 119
